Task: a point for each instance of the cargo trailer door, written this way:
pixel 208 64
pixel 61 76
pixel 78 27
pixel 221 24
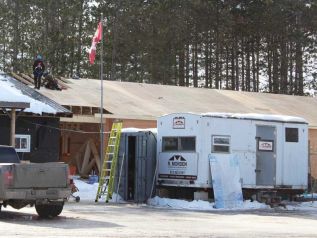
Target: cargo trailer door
pixel 131 167
pixel 265 155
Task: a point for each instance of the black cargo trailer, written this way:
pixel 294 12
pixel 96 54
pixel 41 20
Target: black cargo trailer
pixel 136 165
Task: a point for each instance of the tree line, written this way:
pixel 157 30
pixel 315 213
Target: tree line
pixel 263 45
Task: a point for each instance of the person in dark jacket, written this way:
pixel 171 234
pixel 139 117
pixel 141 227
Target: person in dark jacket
pixel 38 70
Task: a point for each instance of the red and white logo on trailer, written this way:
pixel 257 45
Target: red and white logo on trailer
pixel 179 123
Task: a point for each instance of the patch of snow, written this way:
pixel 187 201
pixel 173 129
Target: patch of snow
pixel 199 204
pixel 116 198
pixel 9 93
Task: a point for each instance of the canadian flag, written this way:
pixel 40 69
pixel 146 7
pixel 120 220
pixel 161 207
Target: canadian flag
pixel 95 40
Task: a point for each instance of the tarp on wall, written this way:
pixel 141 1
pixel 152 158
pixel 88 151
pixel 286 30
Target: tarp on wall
pixel 226 181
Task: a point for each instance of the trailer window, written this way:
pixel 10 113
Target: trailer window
pixel 187 143
pixel 291 134
pixel 170 144
pixel 221 144
pixel 178 144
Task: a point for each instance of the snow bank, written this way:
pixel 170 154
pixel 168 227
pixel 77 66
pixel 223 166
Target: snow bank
pixel 87 192
pixel 199 205
pixel 9 93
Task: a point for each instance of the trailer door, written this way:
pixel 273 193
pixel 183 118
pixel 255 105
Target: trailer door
pixel 265 155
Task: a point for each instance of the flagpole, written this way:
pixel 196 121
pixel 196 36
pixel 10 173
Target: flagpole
pixel 101 100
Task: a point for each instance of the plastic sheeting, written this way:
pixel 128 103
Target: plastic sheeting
pixel 226 181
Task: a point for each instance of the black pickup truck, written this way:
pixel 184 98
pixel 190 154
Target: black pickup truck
pixel 43 185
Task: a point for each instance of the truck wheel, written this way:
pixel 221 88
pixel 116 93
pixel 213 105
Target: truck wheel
pixel 56 209
pixel 49 210
pixel 43 210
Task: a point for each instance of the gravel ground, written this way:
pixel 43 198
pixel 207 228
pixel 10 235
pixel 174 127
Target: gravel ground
pixel 130 220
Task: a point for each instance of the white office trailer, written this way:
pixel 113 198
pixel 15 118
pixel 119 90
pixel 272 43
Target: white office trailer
pixel 272 150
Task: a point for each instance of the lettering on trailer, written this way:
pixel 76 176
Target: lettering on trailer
pixel 177 166
pixel 266 145
pixel 177 162
pixel 179 123
pixel 175 176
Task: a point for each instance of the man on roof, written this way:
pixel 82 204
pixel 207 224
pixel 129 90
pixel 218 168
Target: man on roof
pixel 38 70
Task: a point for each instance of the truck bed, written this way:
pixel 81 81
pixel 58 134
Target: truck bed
pixel 34 181
pixel 46 175
pixel 45 185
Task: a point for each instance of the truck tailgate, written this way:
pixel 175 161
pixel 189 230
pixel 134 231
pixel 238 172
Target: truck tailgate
pixel 44 175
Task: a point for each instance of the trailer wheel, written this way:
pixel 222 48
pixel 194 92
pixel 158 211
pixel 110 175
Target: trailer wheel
pixel 49 210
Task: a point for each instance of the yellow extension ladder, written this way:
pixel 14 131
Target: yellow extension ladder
pixel 106 177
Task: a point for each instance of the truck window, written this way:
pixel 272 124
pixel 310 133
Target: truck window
pixel 8 155
pixel 185 143
pixel 220 144
pixel 291 134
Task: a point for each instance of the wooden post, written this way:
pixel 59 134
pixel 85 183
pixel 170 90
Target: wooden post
pixel 13 106
pixel 13 118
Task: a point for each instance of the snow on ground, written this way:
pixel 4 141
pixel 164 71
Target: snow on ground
pixel 87 193
pixel 303 206
pixel 199 204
